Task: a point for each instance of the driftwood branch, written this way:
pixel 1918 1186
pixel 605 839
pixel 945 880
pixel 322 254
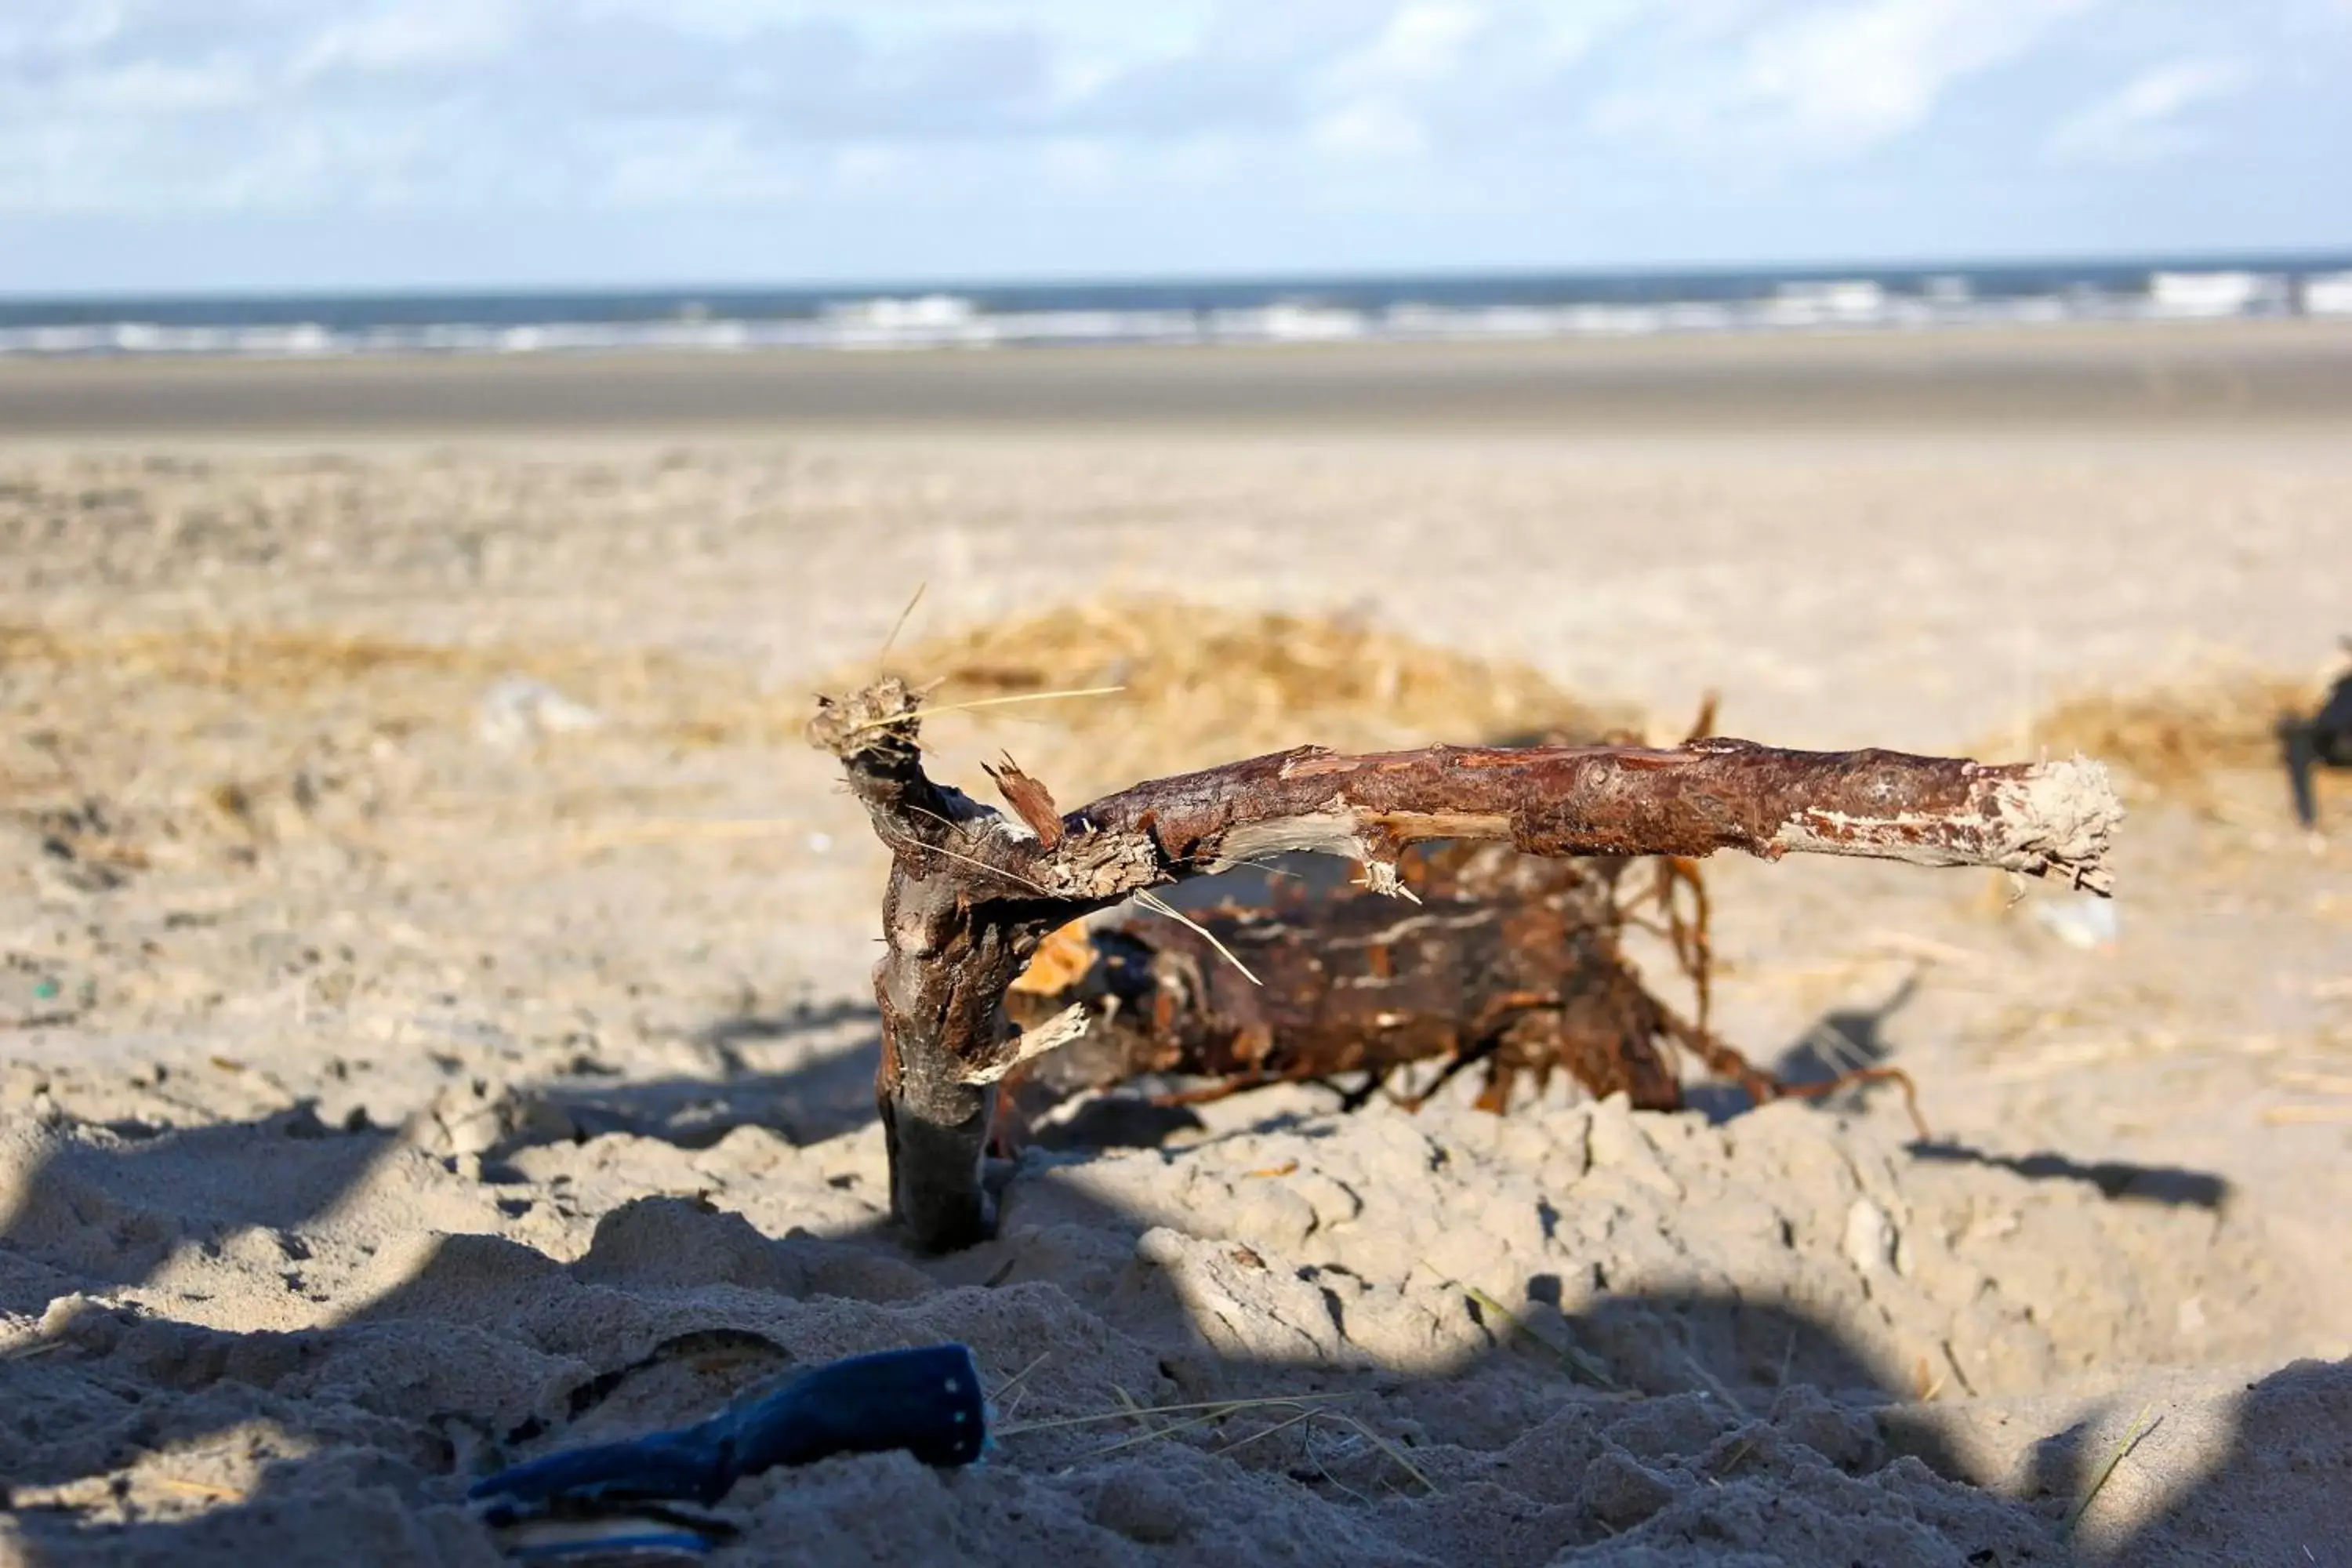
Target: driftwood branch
pixel 973 890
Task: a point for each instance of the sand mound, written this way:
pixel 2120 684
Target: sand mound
pixel 1206 685
pixel 1567 1334
pixel 400 1132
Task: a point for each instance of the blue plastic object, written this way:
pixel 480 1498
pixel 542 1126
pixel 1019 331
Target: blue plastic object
pixel 928 1402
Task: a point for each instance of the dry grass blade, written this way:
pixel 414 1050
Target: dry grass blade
pixel 899 626
pixel 978 864
pixel 887 720
pixel 1278 1428
pixel 2140 1427
pixel 1228 1405
pixel 1714 1384
pixel 36 1348
pixel 1572 1360
pixel 1160 906
pixel 1012 1386
pixel 1158 1434
pixel 1395 1455
pixel 1213 1414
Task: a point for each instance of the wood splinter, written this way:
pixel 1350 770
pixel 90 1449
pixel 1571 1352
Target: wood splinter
pixel 973 891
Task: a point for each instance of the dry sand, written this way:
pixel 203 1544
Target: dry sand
pixel 379 1065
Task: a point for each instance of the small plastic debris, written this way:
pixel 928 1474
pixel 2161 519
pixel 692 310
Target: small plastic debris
pixel 648 1534
pixel 517 711
pixel 613 1498
pixel 2088 924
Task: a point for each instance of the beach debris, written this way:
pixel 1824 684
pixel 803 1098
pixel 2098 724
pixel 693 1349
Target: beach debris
pixel 1207 682
pixel 1508 964
pixel 2175 740
pixel 2087 925
pixel 2324 740
pixel 621 1497
pixel 517 711
pixel 973 892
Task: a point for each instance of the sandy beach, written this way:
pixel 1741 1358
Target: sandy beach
pixel 2129 379
pixel 435 1026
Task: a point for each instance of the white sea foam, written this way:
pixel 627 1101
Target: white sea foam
pixel 940 319
pixel 2329 294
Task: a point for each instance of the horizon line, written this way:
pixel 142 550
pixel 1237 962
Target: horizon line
pixel 2261 257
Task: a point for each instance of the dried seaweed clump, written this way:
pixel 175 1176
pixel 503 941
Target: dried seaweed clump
pixel 1205 684
pixel 2172 741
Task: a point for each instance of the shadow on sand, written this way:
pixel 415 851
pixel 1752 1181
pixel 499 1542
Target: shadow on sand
pixel 366 1433
pixel 379 1421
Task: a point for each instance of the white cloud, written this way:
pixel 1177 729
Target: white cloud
pixel 418 35
pixel 317 105
pixel 1855 75
pixel 1373 128
pixel 1373 98
pixel 1833 80
pixel 2151 117
pixel 1422 41
pixel 156 88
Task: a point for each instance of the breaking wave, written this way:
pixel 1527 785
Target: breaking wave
pixel 1389 311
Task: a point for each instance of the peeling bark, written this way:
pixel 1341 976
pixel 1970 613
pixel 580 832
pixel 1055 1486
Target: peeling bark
pixel 973 891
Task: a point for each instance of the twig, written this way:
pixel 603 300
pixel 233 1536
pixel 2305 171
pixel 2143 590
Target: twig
pixel 952 952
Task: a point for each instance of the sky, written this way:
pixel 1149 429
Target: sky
pixel 277 145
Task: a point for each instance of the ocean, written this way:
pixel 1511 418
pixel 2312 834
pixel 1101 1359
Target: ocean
pixel 1456 307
